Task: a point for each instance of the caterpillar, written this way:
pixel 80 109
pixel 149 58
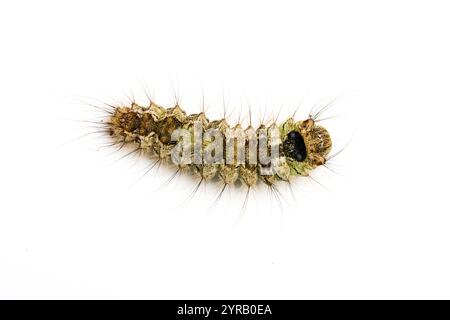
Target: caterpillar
pixel 269 153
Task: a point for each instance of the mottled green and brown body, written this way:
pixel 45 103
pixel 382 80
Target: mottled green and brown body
pixel 302 147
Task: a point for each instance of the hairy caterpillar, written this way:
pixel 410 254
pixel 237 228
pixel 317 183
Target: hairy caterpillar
pixel 292 148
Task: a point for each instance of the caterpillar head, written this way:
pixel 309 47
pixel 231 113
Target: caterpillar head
pixel 125 119
pixel 305 145
pixel 129 122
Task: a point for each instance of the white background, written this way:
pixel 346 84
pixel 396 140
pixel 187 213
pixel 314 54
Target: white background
pixel 73 225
